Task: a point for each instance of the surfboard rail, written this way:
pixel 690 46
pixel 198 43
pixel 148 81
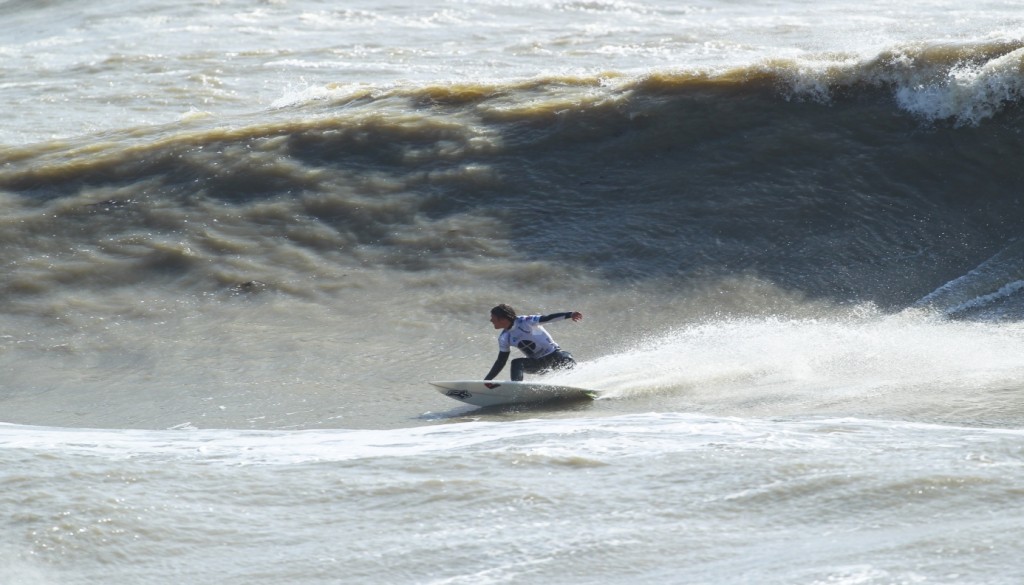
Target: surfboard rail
pixel 500 393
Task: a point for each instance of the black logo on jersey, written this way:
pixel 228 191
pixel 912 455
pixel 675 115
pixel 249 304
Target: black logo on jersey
pixel 527 347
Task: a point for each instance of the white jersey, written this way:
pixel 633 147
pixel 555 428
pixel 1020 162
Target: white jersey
pixel 527 334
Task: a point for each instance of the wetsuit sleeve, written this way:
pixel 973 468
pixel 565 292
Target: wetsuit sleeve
pixel 554 316
pixel 499 363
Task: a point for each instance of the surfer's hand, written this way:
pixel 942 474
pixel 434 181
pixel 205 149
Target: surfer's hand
pixel 577 316
pixel 490 385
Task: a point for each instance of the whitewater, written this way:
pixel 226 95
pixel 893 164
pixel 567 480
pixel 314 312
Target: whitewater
pixel 240 238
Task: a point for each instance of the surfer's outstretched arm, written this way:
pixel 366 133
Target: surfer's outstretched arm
pixel 499 363
pixel 574 315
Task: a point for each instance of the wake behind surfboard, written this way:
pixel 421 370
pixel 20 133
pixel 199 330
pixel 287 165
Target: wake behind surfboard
pixel 480 393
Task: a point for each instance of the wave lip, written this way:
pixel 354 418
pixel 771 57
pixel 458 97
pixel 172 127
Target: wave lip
pixel 970 91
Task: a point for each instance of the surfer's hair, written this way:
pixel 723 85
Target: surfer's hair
pixel 504 311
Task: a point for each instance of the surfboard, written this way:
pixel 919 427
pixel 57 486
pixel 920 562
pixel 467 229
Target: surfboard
pixel 498 393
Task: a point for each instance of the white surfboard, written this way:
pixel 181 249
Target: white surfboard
pixel 497 393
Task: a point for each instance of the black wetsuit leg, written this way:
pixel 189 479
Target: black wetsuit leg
pixel 558 360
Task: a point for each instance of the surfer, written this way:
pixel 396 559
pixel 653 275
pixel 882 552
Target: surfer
pixel 527 334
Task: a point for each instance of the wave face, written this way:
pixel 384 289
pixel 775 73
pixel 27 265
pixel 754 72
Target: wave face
pixel 879 182
pixel 354 237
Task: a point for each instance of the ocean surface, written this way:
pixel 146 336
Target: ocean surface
pixel 239 238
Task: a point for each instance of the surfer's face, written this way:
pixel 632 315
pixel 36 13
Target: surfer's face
pixel 500 322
